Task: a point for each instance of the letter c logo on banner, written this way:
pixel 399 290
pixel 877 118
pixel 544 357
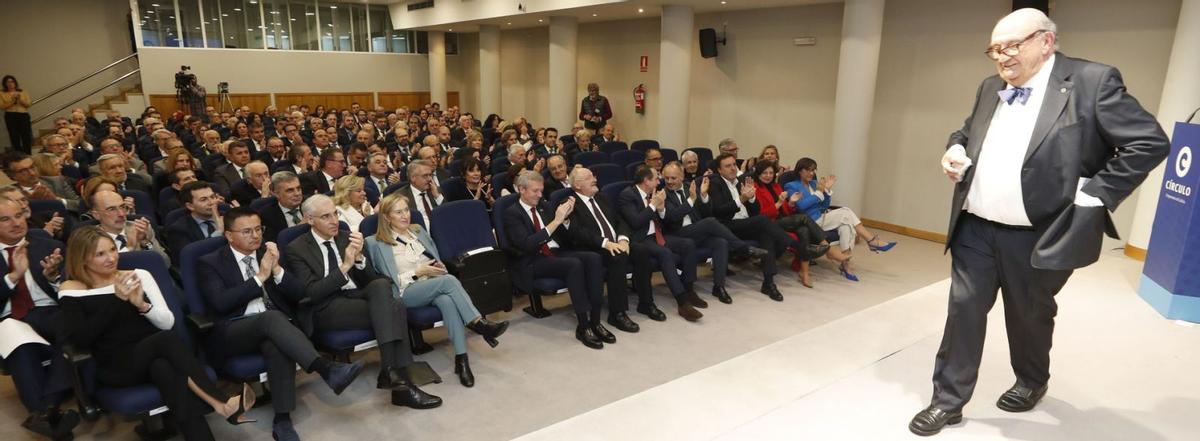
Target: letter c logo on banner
pixel 1184 162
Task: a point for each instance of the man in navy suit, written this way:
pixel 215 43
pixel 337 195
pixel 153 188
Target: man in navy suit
pixel 379 176
pixel 1052 145
pixel 536 237
pixel 32 263
pixel 644 208
pixel 250 295
pixel 202 221
pixel 331 166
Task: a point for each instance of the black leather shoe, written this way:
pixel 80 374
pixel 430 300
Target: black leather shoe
pixel 604 334
pixel 52 424
pixel 695 300
pixel 930 421
pixel 621 321
pixel 652 311
pixel 771 291
pixel 489 330
pixel 585 335
pixel 414 397
pixel 815 251
pixel 1020 398
pixel 390 378
pixel 463 368
pixel 722 295
pixel 757 253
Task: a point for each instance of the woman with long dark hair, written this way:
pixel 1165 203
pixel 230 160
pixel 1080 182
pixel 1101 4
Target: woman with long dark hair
pixel 15 103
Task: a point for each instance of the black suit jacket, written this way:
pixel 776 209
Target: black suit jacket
pixel 551 185
pixel 226 293
pixel 181 233
pixel 585 233
pixel 273 221
pixel 636 214
pixel 1088 126
pixel 721 203
pixel 525 242
pixel 303 259
pixel 38 248
pixel 226 176
pixel 678 209
pixel 314 182
pixel 135 181
pixel 244 192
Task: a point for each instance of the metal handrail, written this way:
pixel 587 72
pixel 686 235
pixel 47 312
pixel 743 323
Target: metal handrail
pixel 65 106
pixel 85 78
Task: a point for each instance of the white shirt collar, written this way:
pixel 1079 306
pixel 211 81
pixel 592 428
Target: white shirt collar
pixel 320 241
pixel 238 256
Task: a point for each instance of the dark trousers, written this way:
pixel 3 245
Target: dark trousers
pixel 39 387
pixel 164 359
pixel 711 234
pixel 20 131
pixel 281 343
pixel 770 236
pixel 676 252
pixel 988 257
pixel 371 307
pixel 615 268
pixel 584 274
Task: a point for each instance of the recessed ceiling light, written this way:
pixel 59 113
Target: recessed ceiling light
pixel 237 9
pixel 154 4
pixel 640 10
pixel 593 15
pixel 224 15
pixel 450 30
pixel 332 6
pixel 722 2
pixel 539 20
pixel 510 23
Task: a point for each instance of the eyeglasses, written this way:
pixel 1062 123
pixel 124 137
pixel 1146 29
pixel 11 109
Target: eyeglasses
pixel 251 232
pixel 1011 50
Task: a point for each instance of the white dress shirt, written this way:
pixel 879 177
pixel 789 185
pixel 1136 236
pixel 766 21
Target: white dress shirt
pixel 996 192
pixel 552 244
pixel 359 264
pixel 40 298
pixel 419 201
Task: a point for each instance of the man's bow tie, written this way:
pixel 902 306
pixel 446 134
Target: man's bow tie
pixel 1020 94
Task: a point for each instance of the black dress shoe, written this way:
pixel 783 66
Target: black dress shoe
pixel 463 368
pixel 771 291
pixel 414 397
pixel 489 330
pixel 695 300
pixel 652 311
pixel 722 295
pixel 604 334
pixel 930 421
pixel 757 253
pixel 390 378
pixel 585 335
pixel 815 251
pixel 52 424
pixel 1020 398
pixel 621 321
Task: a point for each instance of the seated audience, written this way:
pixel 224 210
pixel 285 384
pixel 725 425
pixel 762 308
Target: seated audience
pixel 238 155
pixel 202 221
pixel 421 189
pixel 19 166
pixel 779 206
pixel 405 253
pixel 379 176
pixel 255 185
pixel 285 186
pixel 350 200
pixel 131 233
pixel 472 185
pixel 332 166
pixel 123 320
pixel 116 169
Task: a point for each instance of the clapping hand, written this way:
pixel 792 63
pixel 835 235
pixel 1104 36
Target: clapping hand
pixel 269 262
pixel 140 233
pixel 747 191
pixel 129 288
pixel 353 251
pixel 795 197
pixel 564 209
pixel 20 263
pixel 659 200
pixel 50 264
pixel 54 225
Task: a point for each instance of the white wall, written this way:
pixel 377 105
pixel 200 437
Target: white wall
pixel 269 71
pixel 48 44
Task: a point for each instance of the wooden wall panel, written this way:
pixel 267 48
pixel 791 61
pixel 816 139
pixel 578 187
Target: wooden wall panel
pixel 329 100
pixel 257 101
pixel 395 100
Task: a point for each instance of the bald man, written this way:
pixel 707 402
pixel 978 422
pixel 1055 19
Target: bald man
pixel 1052 145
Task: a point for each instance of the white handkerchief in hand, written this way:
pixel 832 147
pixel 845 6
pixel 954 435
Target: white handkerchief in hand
pixel 1086 200
pixel 956 161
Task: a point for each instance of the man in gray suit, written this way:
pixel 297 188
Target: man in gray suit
pixel 109 209
pixel 421 188
pixel 19 167
pixel 1054 143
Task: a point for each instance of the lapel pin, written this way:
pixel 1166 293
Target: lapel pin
pixel 1063 90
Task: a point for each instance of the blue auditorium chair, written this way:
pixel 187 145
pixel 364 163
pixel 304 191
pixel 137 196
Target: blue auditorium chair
pixel 541 286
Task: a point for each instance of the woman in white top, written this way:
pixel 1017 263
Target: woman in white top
pixel 404 252
pixel 350 199
pixel 123 319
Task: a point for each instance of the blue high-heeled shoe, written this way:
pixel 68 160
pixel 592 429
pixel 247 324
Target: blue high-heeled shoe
pixel 846 272
pixel 880 248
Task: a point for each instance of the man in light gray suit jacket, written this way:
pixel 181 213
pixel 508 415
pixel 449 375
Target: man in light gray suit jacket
pixel 1052 146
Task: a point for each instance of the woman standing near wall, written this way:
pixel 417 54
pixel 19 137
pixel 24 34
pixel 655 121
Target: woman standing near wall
pixel 15 103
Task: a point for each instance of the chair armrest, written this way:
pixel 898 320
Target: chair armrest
pixel 74 354
pixel 200 324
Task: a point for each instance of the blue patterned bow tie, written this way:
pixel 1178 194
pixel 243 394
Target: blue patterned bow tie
pixel 1015 94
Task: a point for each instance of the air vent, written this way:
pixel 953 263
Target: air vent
pixel 420 5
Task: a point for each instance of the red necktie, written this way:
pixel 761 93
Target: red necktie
pixel 22 302
pixel 537 225
pixel 608 234
pixel 658 236
pixel 425 201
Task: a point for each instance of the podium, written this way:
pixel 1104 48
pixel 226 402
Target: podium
pixel 1171 276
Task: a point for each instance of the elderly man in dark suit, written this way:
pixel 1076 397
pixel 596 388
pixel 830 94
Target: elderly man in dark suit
pixel 343 291
pixel 643 207
pixel 252 297
pixel 29 297
pixel 255 185
pixel 1052 145
pixel 285 186
pixel 421 189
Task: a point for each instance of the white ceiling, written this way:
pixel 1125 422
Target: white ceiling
pixel 606 12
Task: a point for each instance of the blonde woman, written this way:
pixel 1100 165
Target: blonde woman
pixel 405 253
pixel 123 319
pixel 350 200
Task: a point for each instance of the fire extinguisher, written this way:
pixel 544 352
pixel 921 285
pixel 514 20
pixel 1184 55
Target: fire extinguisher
pixel 639 98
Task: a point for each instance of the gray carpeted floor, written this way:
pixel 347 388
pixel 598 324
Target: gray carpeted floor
pixel 540 374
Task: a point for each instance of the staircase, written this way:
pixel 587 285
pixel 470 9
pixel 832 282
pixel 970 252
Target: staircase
pixel 130 101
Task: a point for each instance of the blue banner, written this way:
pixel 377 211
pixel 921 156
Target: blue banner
pixel 1171 277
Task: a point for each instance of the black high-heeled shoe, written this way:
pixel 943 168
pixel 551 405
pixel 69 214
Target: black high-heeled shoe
pixel 489 330
pixel 242 407
pixel 462 367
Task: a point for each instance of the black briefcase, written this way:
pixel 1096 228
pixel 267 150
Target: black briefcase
pixel 485 277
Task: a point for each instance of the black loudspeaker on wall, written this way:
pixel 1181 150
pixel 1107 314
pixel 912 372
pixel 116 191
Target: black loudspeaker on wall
pixel 708 42
pixel 1044 5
